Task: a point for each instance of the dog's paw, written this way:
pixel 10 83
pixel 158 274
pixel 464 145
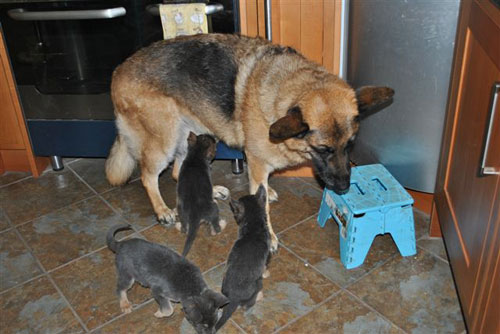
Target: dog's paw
pixel 221 192
pixel 167 217
pixel 222 224
pixel 178 226
pixel 125 306
pixel 260 296
pixel 164 314
pixel 274 243
pixel 266 274
pixel 273 195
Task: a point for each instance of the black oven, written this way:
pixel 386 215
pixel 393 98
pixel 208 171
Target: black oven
pixel 63 54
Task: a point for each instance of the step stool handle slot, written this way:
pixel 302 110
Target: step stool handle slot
pixel 357 188
pixel 379 183
pixel 359 215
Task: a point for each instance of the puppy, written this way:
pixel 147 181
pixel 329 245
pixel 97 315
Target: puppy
pixel 195 202
pixel 250 255
pixel 171 278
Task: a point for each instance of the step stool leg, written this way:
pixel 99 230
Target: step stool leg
pixel 359 242
pixel 403 232
pixel 324 213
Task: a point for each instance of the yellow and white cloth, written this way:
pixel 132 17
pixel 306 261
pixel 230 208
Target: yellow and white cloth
pixel 183 19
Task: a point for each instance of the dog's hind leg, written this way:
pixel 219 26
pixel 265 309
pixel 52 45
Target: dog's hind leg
pixel 125 282
pixel 153 161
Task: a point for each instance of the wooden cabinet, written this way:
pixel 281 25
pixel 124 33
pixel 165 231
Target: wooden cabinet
pixel 467 202
pixel 312 27
pixel 15 147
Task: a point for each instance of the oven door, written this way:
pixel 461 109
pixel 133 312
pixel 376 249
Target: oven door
pixel 63 53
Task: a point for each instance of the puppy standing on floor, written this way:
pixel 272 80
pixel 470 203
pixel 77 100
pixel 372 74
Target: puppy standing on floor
pixel 250 255
pixel 195 202
pixel 171 278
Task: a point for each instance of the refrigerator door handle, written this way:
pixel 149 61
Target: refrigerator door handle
pixel 485 170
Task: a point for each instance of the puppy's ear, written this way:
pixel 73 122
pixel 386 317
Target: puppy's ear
pixel 371 99
pixel 238 209
pixel 288 126
pixel 191 139
pixel 191 310
pixel 261 195
pixel 218 299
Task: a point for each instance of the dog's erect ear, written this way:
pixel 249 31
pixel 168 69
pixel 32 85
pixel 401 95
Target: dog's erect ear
pixel 261 195
pixel 218 299
pixel 238 209
pixel 191 139
pixel 372 98
pixel 288 126
pixel 191 310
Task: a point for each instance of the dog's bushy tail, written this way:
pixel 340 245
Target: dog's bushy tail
pixel 110 237
pixel 120 163
pixel 227 311
pixel 191 235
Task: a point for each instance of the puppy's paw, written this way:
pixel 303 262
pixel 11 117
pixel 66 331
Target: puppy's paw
pixel 260 296
pixel 166 217
pixel 273 195
pixel 266 274
pixel 125 306
pixel 164 314
pixel 222 224
pixel 221 192
pixel 274 243
pixel 178 226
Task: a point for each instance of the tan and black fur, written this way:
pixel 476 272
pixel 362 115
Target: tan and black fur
pixel 269 100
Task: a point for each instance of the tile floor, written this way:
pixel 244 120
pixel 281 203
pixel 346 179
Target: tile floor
pixel 57 276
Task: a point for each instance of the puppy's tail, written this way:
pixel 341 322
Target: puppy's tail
pixel 227 311
pixel 120 163
pixel 191 235
pixel 110 237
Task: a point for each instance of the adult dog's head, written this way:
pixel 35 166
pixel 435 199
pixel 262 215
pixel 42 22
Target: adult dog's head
pixel 324 123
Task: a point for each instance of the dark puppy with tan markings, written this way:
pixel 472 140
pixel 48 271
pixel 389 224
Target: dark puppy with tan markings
pixel 248 260
pixel 195 199
pixel 171 278
pixel 269 100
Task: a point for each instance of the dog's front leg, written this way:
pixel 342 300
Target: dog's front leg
pixel 258 173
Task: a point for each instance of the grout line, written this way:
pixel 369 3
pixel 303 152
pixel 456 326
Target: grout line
pixel 310 265
pixel 54 211
pixel 296 224
pixel 237 326
pixel 16 181
pixel 121 315
pixel 72 161
pixel 373 310
pixel 433 254
pixel 52 281
pixel 317 306
pixel 7 229
pixel 381 264
pixel 82 180
pixel 23 282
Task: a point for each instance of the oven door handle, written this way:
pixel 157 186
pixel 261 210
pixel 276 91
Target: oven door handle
pixel 210 8
pixel 21 14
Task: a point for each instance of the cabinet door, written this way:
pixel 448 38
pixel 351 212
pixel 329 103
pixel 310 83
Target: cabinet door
pixel 465 198
pixel 312 27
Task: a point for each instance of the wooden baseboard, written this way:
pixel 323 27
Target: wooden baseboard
pixel 435 227
pixel 19 161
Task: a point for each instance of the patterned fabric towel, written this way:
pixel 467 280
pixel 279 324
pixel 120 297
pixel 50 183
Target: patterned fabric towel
pixel 183 19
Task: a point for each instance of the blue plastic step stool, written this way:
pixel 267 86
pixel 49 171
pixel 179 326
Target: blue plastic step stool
pixel 375 204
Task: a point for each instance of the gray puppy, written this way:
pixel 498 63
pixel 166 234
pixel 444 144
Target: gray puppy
pixel 171 277
pixel 248 260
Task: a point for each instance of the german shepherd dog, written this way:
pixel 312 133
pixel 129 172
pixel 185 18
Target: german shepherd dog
pixel 269 100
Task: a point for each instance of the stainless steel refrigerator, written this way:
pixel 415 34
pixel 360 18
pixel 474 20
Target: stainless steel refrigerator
pixel 407 45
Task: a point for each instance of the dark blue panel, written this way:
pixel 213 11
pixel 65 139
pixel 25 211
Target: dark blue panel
pixel 87 139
